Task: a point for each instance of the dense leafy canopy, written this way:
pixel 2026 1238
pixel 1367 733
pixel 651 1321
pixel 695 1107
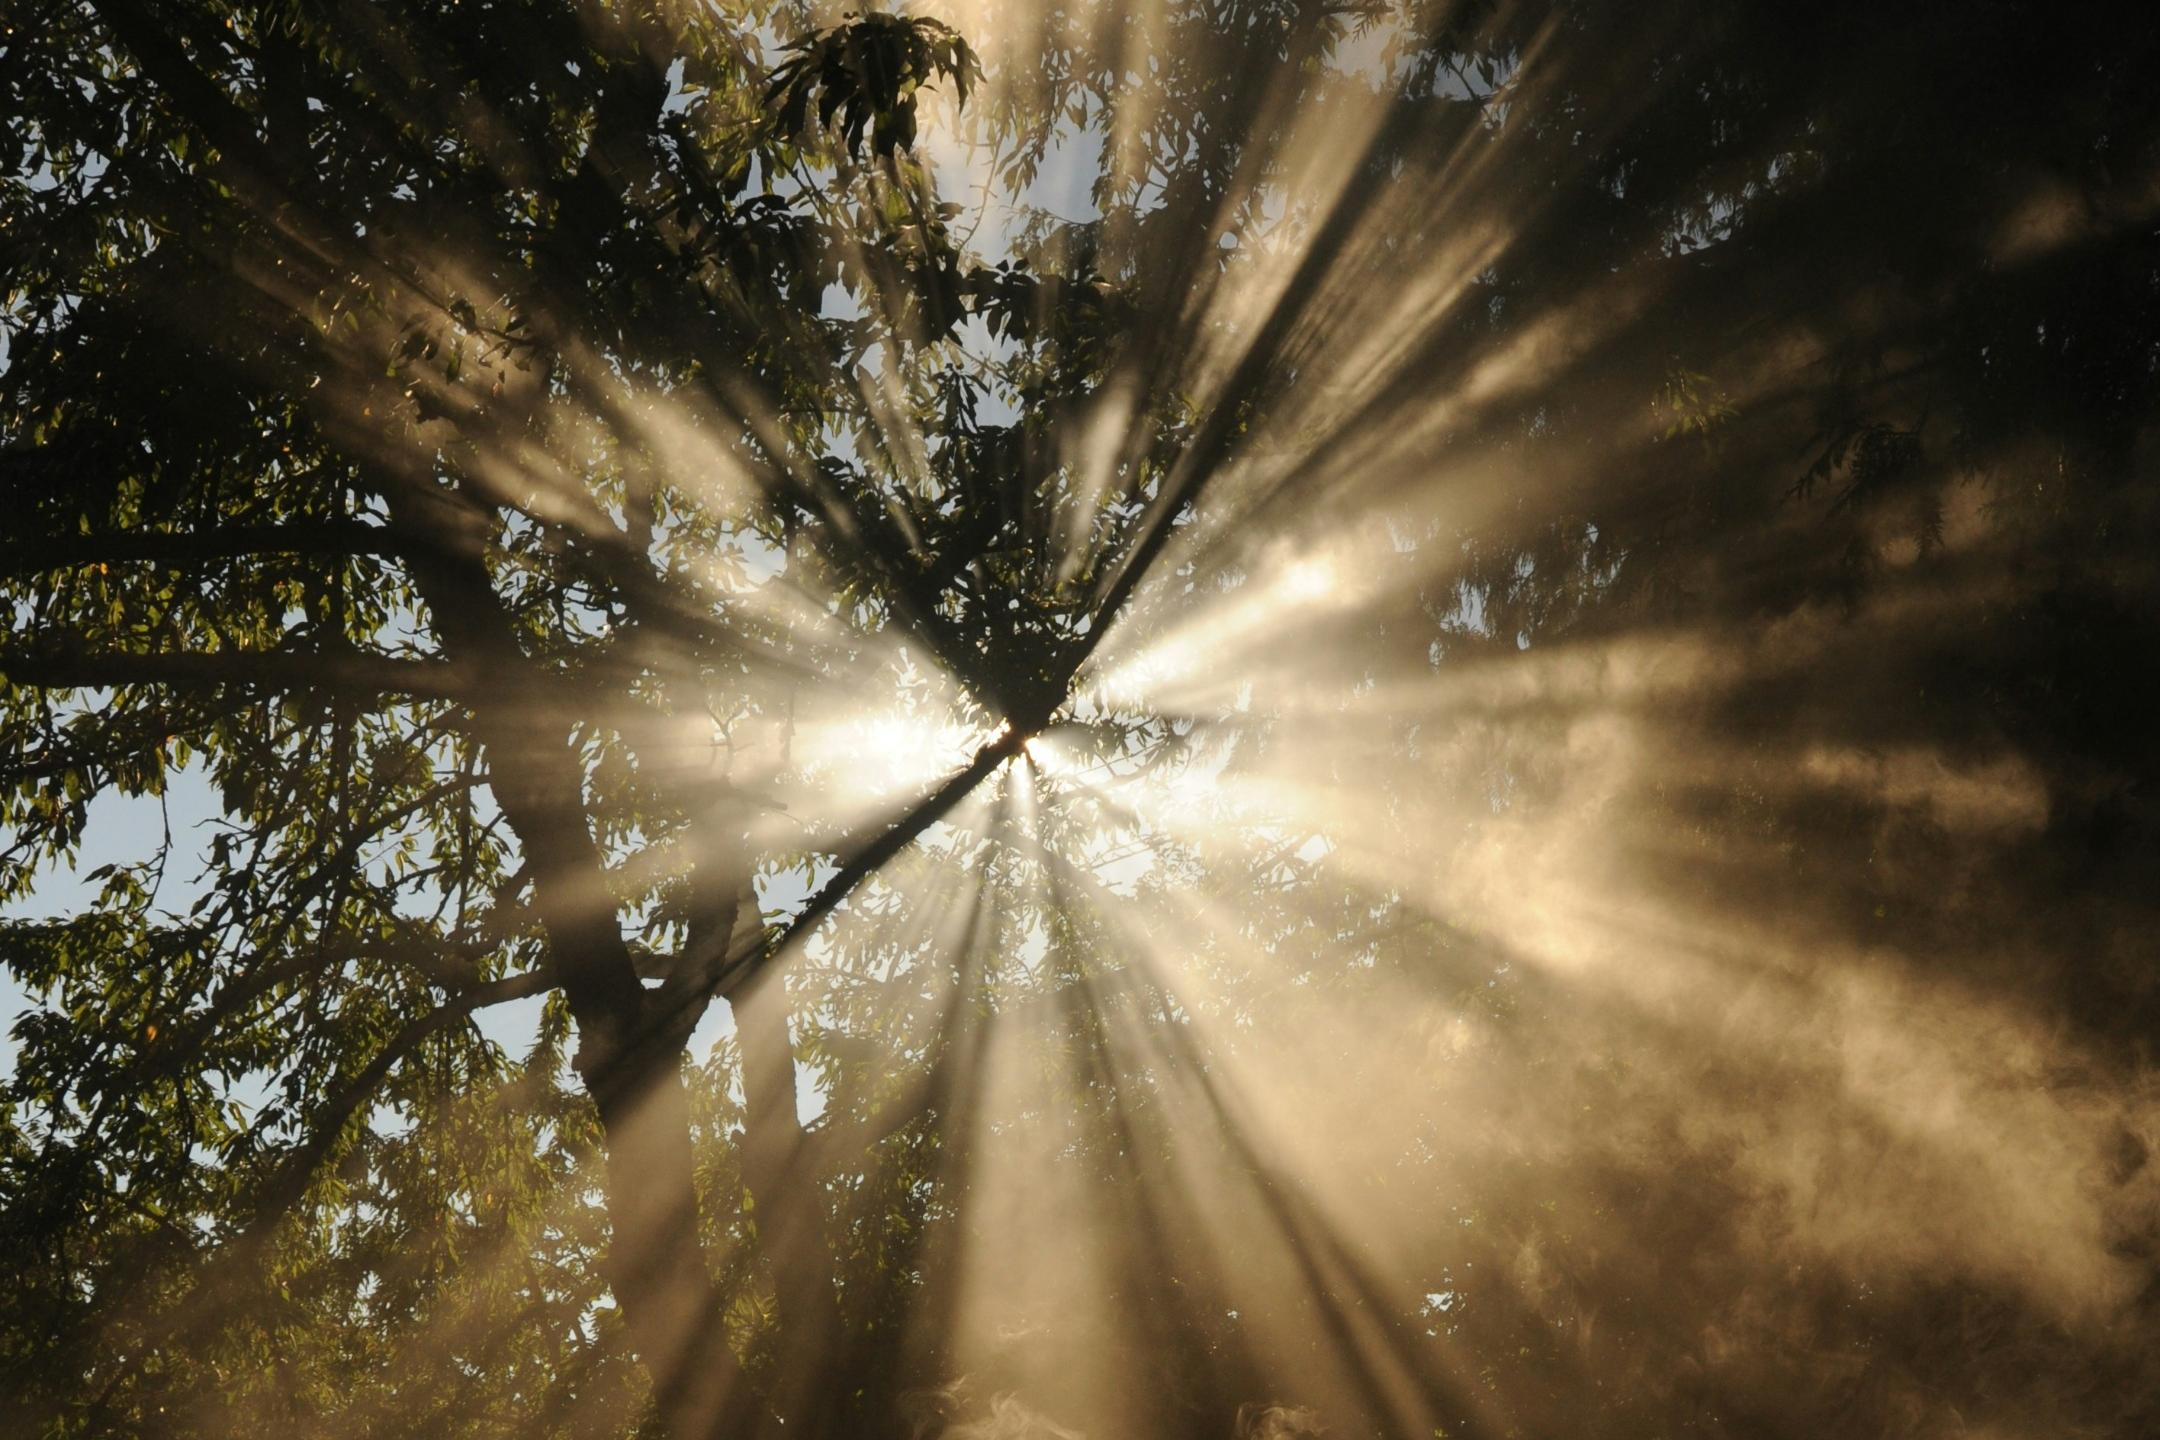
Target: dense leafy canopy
pixel 1426 717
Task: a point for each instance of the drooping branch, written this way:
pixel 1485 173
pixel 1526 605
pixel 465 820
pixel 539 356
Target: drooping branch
pixel 233 1271
pixel 286 1187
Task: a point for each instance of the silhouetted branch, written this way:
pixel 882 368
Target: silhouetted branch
pixel 57 666
pixel 336 538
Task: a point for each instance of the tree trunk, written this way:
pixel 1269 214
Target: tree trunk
pixel 786 1202
pixel 630 1040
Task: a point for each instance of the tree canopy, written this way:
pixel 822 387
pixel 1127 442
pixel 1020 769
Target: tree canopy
pixel 1186 718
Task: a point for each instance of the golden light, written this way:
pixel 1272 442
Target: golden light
pixel 1304 971
pixel 1307 580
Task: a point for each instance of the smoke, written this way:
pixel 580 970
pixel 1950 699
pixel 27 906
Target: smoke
pixel 951 1413
pixel 946 1413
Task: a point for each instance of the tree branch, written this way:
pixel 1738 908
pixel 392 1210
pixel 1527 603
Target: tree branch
pixel 69 666
pixel 290 1183
pixel 933 808
pixel 24 558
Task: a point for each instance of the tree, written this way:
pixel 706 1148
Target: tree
pixel 346 558
pixel 608 534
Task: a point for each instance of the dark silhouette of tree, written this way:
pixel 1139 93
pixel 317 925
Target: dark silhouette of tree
pixel 1654 498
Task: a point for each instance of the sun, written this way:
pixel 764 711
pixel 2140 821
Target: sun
pixel 908 751
pixel 1308 579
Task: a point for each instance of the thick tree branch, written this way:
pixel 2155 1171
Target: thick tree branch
pixel 858 867
pixel 58 552
pixel 58 665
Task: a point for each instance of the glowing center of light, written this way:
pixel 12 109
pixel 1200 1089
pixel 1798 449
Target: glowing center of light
pixel 1308 580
